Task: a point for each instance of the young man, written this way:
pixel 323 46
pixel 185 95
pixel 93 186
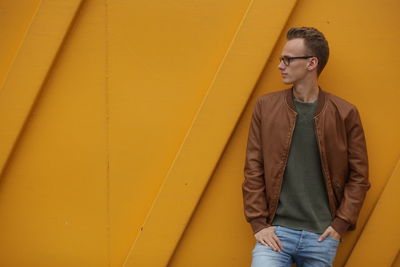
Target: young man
pixel 306 169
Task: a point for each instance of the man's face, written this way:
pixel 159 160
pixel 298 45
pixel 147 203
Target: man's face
pixel 297 69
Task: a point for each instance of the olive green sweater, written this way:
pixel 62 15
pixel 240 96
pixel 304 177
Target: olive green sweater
pixel 303 202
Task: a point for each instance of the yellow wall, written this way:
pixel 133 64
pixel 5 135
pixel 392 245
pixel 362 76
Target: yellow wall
pixel 123 125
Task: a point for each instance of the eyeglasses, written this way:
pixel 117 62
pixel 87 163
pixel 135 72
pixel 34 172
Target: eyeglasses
pixel 286 60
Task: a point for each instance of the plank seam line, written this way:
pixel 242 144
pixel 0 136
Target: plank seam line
pixel 24 121
pixel 21 43
pixel 201 106
pixel 107 131
pixel 207 93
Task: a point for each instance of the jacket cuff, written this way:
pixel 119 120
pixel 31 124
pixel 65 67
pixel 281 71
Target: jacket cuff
pixel 258 224
pixel 340 225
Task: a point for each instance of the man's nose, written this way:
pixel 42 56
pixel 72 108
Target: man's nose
pixel 281 66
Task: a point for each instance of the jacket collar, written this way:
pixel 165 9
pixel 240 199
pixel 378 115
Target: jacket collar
pixel 320 105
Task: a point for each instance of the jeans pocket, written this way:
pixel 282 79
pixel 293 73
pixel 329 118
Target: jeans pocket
pixel 334 239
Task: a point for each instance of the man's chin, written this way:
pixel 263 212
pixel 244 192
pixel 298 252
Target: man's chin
pixel 287 81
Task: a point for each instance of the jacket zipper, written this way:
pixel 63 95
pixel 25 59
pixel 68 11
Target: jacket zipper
pixel 284 165
pixel 323 167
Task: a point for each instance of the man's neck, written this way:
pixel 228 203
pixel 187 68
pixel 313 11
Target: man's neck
pixel 306 92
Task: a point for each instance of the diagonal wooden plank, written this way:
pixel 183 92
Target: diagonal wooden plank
pixel 381 234
pixel 211 128
pixel 30 67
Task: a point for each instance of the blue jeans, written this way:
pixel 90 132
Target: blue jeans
pixel 299 246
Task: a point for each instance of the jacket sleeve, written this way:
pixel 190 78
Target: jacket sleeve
pixel 253 187
pixel 357 183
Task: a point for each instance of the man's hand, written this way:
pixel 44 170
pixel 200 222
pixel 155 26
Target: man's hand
pixel 268 238
pixel 329 232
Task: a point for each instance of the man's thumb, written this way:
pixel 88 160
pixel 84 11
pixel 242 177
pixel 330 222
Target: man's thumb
pixel 323 236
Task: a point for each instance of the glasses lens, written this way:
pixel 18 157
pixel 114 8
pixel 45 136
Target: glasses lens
pixel 285 60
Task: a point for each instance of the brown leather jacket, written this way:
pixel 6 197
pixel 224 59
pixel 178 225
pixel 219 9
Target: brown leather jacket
pixel 342 148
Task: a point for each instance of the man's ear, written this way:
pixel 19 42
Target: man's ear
pixel 313 63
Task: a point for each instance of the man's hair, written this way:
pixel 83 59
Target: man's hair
pixel 315 43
